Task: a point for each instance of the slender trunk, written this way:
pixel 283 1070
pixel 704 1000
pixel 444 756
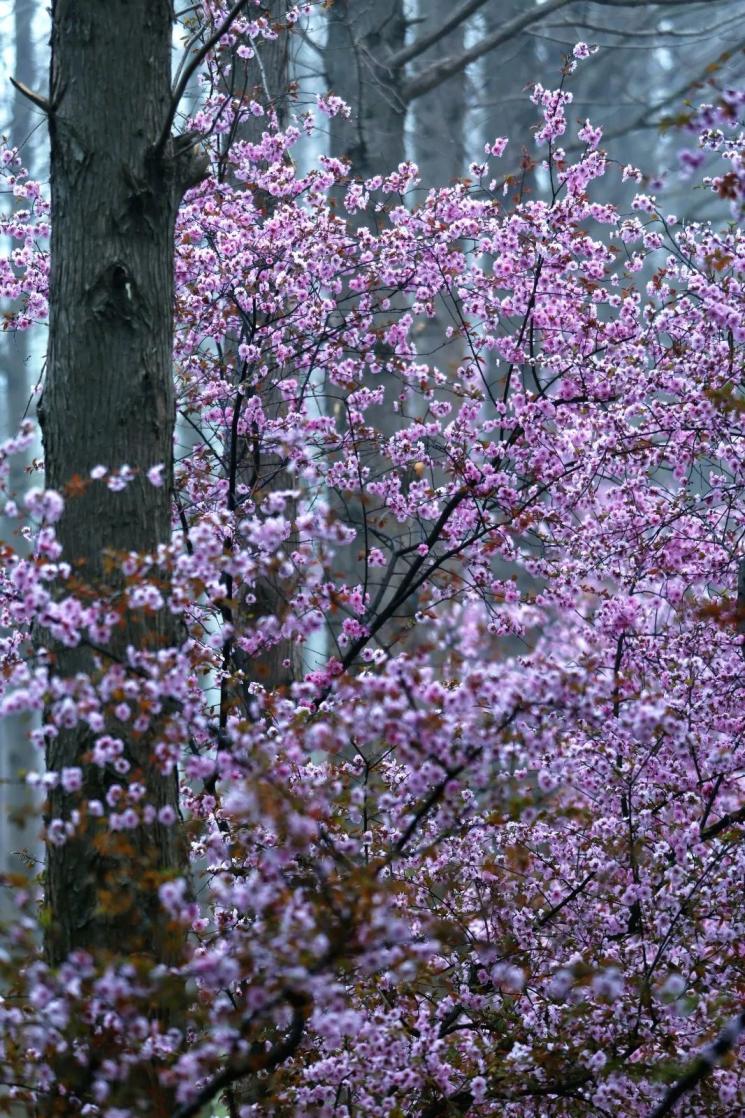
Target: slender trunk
pixel 15 751
pixel 108 399
pixel 439 119
pixel 264 79
pixel 440 115
pixel 361 36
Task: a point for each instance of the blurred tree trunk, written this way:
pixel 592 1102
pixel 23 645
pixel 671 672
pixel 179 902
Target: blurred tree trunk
pixel 360 37
pixel 439 140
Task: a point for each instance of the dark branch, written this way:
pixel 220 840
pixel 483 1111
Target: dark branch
pixel 439 72
pixel 266 1061
pixel 401 57
pixel 659 36
pixel 35 98
pixel 552 912
pixel 703 1066
pixel 189 71
pixel 730 820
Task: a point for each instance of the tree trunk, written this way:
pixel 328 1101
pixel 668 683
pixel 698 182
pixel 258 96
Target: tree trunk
pixel 361 36
pixel 439 116
pixel 18 846
pixel 108 399
pixel 439 152
pixel 268 83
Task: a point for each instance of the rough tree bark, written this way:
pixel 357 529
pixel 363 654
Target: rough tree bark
pixel 117 177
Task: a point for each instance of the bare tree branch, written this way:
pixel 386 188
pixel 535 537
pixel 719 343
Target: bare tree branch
pixel 440 71
pixel 656 33
pixel 37 99
pixel 194 38
pixel 703 4
pixel 645 118
pixel 401 57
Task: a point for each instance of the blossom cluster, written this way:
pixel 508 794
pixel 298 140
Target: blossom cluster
pixel 484 850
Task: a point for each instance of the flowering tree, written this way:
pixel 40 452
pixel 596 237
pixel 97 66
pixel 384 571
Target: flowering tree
pixel 487 858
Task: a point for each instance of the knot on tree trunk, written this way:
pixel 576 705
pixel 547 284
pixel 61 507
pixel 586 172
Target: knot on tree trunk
pixel 115 295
